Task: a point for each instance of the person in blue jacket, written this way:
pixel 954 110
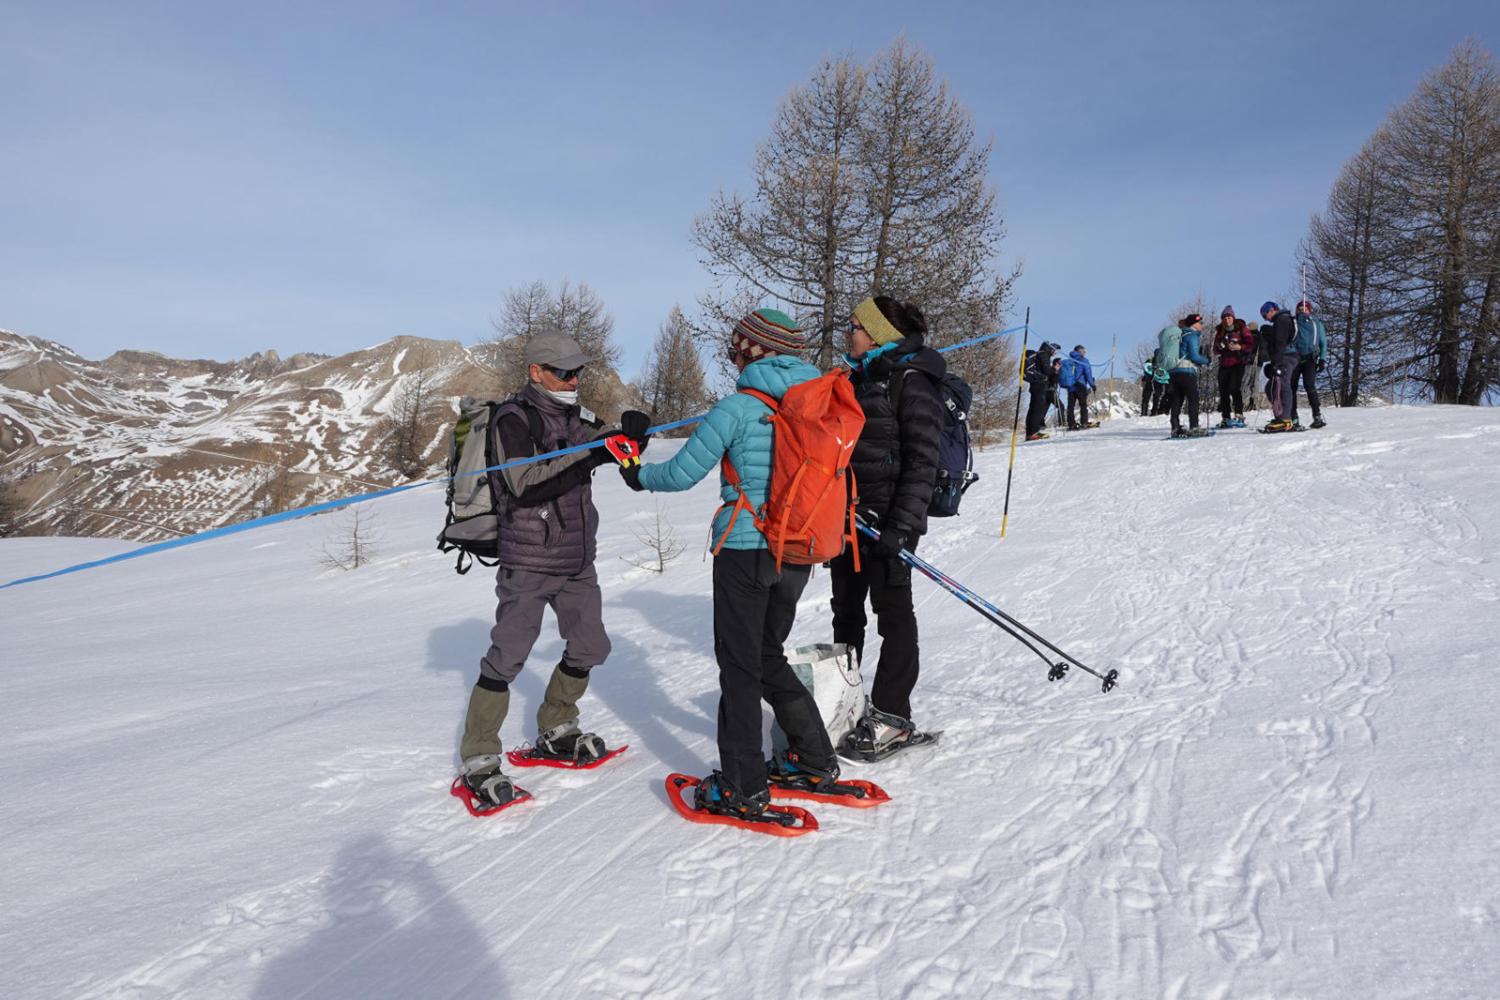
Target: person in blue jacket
pixel 755 603
pixel 1181 356
pixel 1078 378
pixel 1312 358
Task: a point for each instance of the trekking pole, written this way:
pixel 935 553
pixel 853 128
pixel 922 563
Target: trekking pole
pixel 1056 669
pixel 1020 384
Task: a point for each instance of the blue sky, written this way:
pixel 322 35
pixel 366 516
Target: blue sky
pixel 210 179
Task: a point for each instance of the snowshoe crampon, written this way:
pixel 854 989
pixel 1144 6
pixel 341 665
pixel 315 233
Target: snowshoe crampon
pixel 531 757
pixel 778 821
pixel 478 806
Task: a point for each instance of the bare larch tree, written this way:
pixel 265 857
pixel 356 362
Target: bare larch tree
pixel 871 182
pixel 672 385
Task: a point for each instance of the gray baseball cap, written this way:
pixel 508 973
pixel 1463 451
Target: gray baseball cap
pixel 555 350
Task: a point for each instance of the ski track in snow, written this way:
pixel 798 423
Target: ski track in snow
pixel 1204 831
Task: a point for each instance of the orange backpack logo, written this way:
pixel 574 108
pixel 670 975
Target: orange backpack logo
pixel 809 511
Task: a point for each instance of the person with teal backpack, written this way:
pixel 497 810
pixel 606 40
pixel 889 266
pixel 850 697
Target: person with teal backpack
pixel 1182 359
pixel 1312 358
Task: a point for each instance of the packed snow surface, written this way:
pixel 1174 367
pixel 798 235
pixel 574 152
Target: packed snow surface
pixel 226 766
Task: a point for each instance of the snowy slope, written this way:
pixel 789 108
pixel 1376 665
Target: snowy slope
pixel 225 767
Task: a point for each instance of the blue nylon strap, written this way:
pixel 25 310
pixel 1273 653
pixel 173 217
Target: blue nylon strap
pixel 318 508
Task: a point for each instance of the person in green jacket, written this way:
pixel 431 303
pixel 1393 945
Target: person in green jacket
pixel 755 602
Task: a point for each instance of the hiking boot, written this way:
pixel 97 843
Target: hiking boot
pixel 481 774
pixel 1276 426
pixel 876 733
pixel 565 742
pixel 1238 421
pixel 792 771
pixel 1224 424
pixel 1199 432
pixel 1178 432
pixel 1038 436
pixel 718 796
pixel 1318 421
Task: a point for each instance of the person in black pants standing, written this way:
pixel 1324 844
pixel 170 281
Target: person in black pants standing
pixel 1234 345
pixel 755 596
pixel 1179 353
pixel 1038 373
pixel 895 379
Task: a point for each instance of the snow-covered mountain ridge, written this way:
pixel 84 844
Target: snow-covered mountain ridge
pixel 144 446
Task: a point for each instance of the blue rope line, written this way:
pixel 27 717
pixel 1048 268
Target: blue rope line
pixel 318 508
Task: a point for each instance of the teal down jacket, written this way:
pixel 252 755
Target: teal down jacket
pixel 734 425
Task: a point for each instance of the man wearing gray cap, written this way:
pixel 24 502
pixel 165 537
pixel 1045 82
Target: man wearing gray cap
pixel 548 528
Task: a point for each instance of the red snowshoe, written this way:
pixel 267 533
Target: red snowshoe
pixel 778 821
pixel 789 777
pixel 480 807
pixel 533 757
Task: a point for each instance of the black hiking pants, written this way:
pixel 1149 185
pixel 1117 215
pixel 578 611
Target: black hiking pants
pixel 754 608
pixel 887 584
pixel 1183 386
pixel 1080 397
pixel 1306 375
pixel 1231 379
pixel 1036 408
pixel 1146 386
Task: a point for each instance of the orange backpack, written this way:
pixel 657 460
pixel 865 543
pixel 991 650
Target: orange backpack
pixel 809 510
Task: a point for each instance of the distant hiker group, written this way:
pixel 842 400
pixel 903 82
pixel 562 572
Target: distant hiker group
pixel 805 459
pixel 1045 372
pixel 1289 350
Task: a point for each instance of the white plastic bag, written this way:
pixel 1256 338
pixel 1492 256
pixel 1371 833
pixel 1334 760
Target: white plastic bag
pixel 831 672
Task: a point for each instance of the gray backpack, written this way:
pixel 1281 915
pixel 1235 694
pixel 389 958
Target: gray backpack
pixel 473 521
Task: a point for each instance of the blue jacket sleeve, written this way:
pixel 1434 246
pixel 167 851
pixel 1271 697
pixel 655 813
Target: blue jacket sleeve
pixel 698 457
pixel 1193 353
pixel 1322 341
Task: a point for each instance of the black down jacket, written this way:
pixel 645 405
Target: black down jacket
pixel 895 461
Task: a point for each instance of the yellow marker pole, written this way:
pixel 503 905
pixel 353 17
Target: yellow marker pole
pixel 1020 384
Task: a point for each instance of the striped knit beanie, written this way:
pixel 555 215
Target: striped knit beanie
pixel 766 332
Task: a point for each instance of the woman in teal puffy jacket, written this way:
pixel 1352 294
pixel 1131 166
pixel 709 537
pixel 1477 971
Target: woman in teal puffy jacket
pixel 755 602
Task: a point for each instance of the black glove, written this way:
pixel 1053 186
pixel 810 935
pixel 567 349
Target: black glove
pixel 633 424
pixel 1321 365
pixel 632 476
pixel 890 543
pixel 600 454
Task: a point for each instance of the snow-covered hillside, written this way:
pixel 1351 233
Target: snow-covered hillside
pixel 226 768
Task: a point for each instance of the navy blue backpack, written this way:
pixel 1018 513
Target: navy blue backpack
pixel 955 457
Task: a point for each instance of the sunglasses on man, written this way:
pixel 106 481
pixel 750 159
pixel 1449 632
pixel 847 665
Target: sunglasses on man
pixel 564 374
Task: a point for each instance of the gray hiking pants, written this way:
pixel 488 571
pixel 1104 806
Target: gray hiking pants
pixel 1282 388
pixel 518 620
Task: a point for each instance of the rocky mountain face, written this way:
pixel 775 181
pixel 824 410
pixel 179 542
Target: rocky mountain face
pixel 147 447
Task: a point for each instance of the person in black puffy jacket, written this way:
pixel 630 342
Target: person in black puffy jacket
pixel 895 378
pixel 1038 373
